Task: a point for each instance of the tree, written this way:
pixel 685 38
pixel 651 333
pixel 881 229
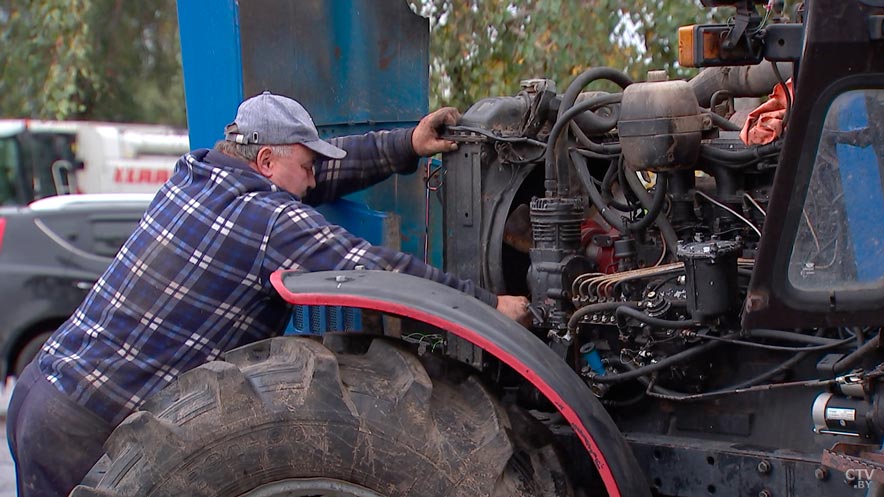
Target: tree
pixel 120 60
pixel 91 59
pixel 481 48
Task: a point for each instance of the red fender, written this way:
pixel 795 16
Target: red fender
pixel 470 319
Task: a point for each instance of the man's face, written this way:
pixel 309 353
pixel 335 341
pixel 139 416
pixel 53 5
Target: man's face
pixel 293 170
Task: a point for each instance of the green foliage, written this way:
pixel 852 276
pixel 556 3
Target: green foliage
pixel 120 60
pixel 481 48
pixel 91 59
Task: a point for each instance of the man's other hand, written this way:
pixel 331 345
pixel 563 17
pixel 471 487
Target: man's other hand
pixel 514 307
pixel 425 139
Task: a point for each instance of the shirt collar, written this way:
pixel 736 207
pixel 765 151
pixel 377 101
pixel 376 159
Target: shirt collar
pixel 216 158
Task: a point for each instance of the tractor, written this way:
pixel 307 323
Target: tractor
pixel 706 313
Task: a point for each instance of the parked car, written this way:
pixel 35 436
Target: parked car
pixel 51 253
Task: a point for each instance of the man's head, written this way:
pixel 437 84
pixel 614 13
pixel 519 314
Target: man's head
pixel 278 138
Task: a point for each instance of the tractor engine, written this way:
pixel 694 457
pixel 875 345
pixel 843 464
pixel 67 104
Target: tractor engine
pixel 631 219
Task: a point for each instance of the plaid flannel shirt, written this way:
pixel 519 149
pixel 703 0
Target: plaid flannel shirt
pixel 193 280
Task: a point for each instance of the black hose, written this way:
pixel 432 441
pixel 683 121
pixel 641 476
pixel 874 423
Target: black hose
pixel 740 156
pixel 663 223
pixel 723 122
pixel 657 366
pixel 791 336
pixel 610 149
pixel 589 120
pixel 588 76
pixel 624 311
pixel 554 180
pixel 591 308
pixel 656 206
pixel 594 196
pixel 850 360
pixel 607 183
pixel 811 348
pixel 666 394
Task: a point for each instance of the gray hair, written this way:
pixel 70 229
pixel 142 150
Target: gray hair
pixel 249 153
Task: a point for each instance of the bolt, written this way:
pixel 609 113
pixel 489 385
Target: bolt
pixel 821 474
pixel 764 493
pixel 764 467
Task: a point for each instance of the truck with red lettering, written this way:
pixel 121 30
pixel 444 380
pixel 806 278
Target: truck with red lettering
pixel 40 159
pixel 70 194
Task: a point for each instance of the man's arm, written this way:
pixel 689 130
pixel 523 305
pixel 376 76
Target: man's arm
pixel 302 239
pixel 375 156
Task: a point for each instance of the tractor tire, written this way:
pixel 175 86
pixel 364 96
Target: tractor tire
pixel 288 417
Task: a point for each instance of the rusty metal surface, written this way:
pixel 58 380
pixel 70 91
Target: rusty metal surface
pixel 856 461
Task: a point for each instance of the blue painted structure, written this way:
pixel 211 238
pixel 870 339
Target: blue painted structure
pixel 859 168
pixel 356 65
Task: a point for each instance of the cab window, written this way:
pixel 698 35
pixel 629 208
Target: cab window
pixel 840 239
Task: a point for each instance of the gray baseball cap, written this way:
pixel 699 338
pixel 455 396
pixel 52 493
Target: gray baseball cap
pixel 269 119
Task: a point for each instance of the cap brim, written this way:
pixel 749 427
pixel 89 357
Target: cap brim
pixel 325 148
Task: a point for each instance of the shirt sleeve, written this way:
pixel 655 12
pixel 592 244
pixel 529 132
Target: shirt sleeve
pixel 371 158
pixel 303 240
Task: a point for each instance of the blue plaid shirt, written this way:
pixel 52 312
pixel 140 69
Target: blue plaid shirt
pixel 193 280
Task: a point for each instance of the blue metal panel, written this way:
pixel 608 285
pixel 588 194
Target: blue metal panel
pixel 350 62
pixel 210 54
pixel 357 65
pixel 863 197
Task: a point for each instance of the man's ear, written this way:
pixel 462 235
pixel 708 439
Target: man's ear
pixel 262 161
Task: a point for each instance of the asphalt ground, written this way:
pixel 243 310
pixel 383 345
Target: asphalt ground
pixel 7 470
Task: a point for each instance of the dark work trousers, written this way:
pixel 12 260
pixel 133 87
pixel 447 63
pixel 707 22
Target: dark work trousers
pixel 54 441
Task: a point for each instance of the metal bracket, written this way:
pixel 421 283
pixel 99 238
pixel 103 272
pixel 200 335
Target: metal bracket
pixel 852 459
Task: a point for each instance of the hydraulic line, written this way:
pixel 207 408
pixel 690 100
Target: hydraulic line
pixel 852 359
pixel 657 366
pixel 593 308
pixel 636 314
pixel 811 348
pixel 791 336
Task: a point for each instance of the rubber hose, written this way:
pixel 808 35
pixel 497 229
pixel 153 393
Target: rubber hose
pixel 644 318
pixel 657 366
pixel 594 196
pixel 553 178
pixel 666 229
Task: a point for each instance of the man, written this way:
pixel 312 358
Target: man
pixel 193 280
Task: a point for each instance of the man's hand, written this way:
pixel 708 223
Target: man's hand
pixel 514 307
pixel 425 139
